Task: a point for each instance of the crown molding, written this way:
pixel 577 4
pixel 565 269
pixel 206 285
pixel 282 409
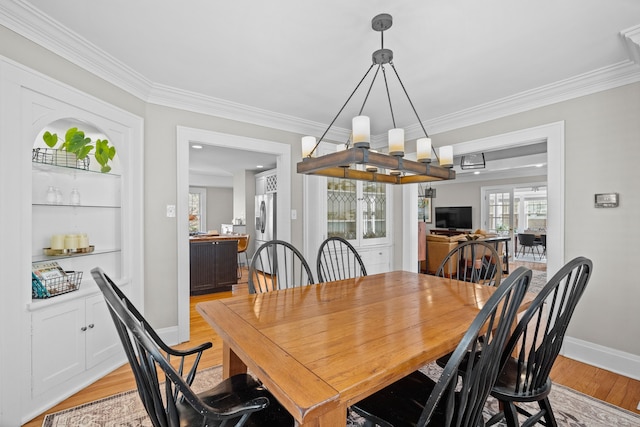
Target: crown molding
pixel 623 73
pixel 199 103
pixel 631 37
pixel 29 22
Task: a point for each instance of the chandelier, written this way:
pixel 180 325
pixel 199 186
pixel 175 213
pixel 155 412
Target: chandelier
pixel 355 159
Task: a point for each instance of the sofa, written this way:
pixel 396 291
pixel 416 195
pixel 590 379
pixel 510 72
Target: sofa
pixel 438 246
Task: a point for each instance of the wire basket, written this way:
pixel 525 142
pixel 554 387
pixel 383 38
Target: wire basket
pixel 52 156
pixel 46 288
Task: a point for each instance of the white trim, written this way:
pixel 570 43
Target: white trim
pixel 169 335
pixel 410 228
pixel 620 362
pixel 185 136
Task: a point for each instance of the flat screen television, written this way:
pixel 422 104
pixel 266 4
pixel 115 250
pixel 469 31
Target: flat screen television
pixel 453 217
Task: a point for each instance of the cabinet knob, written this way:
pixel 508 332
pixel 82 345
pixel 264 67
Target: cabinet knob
pixel 84 328
pixel 91 325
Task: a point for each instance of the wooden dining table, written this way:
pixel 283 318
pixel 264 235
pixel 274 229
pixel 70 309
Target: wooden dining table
pixel 321 348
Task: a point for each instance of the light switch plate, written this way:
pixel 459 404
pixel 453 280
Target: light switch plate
pixel 171 211
pixel 294 214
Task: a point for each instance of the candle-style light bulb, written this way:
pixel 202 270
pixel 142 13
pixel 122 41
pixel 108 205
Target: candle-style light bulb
pixel 446 156
pixel 396 142
pixel 423 150
pixel 361 131
pixel 308 143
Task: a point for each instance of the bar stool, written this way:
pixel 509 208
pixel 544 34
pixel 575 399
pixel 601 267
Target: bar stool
pixel 243 244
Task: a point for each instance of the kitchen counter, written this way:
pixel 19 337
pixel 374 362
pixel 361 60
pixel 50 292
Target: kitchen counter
pixel 216 237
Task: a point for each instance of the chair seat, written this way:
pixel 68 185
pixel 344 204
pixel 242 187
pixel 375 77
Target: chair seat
pixel 402 402
pixel 505 386
pixel 233 393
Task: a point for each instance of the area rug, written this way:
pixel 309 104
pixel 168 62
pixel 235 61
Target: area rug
pixel 572 409
pixel 538 280
pixel 528 257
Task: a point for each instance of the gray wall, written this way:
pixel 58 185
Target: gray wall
pixel 602 151
pixel 219 207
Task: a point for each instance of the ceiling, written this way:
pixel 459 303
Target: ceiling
pixel 223 161
pixel 291 64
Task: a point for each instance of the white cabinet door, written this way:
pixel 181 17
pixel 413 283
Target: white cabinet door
pixel 101 335
pixel 358 211
pixel 69 338
pixel 58 344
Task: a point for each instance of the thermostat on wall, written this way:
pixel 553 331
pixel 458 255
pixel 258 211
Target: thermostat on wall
pixel 606 200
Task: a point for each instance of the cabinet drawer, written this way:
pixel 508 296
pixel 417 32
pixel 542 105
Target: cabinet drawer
pixel 376 260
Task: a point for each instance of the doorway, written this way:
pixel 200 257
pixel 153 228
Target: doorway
pixel 553 135
pixel 187 136
pixel 516 208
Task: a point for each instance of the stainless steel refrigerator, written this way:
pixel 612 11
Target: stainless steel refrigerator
pixel 265 219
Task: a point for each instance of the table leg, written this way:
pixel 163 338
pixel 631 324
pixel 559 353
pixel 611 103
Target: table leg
pixel 231 363
pixel 506 258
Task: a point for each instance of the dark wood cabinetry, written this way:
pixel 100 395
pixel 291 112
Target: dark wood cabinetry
pixel 213 266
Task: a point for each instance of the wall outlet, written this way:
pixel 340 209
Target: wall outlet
pixel 171 211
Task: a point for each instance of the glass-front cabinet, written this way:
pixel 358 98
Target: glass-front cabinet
pixel 357 211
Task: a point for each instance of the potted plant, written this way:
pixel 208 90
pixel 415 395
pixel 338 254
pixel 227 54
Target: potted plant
pixel 77 143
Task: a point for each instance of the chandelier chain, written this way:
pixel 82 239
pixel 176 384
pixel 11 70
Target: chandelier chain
pixel 413 108
pixel 340 111
pixel 386 86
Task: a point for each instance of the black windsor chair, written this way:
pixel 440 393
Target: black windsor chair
pixel 337 260
pixel 535 343
pixel 237 401
pixel 278 265
pixel 472 261
pixel 417 400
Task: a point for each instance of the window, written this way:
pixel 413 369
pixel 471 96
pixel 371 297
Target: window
pixel 197 209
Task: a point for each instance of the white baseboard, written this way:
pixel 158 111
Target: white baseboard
pixel 169 335
pixel 622 363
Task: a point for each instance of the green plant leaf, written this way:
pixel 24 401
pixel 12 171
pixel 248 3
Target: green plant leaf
pixel 69 134
pixel 77 143
pixel 50 139
pixel 84 151
pixel 104 153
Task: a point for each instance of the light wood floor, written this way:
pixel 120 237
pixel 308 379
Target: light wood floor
pixel 599 383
